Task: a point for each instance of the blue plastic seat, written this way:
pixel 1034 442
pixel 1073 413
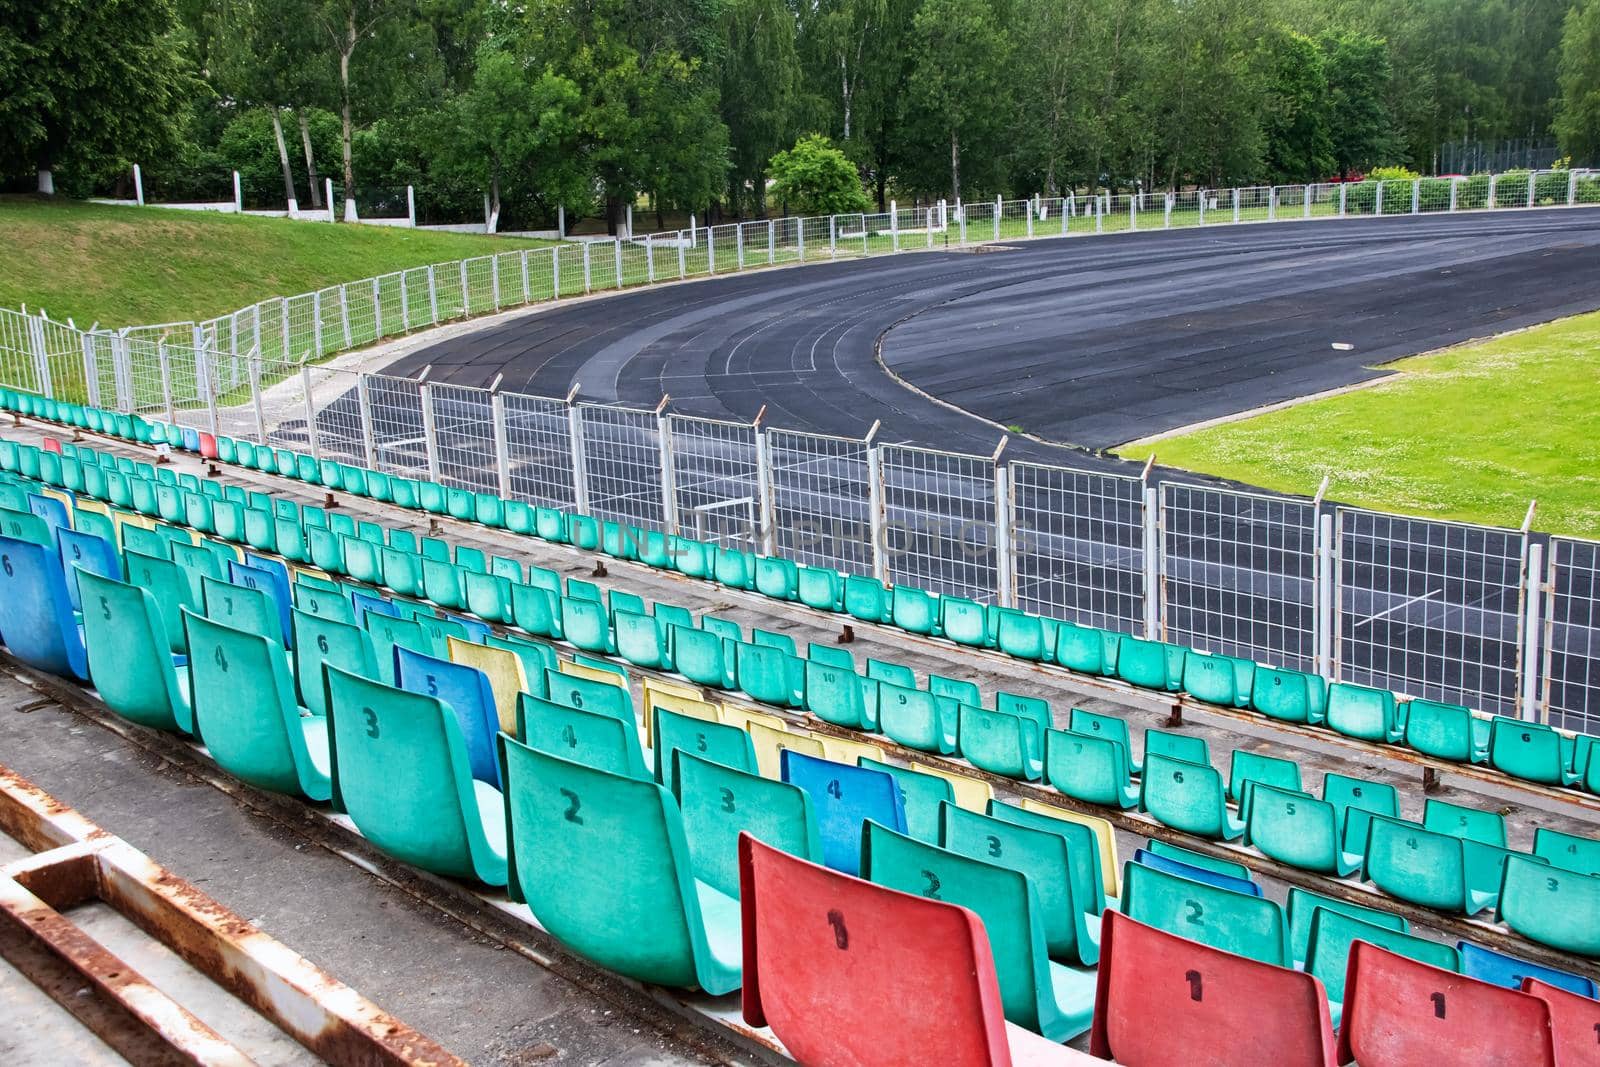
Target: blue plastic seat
pixel 88 552
pixel 1504 969
pixel 467 693
pixel 1195 874
pixel 844 798
pixel 36 618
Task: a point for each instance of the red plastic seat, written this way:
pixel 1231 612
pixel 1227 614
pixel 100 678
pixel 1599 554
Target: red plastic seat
pixel 1166 1000
pixel 1574 1020
pixel 1399 1013
pixel 208 445
pixel 852 974
pixel 52 444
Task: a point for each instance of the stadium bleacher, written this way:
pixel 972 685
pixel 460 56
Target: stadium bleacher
pixel 475 717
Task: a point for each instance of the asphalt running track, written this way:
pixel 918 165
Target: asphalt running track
pixel 1089 342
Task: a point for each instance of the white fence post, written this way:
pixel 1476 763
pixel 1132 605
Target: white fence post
pixel 961 217
pixel 253 368
pixel 767 534
pixel 327 193
pixel 711 250
pixel 138 185
pixel 880 560
pixel 1004 559
pixel 1235 203
pixel 999 209
pixel 91 370
pixel 833 237
pixel 1572 187
pixel 587 278
pixel 204 379
pixel 502 452
pixel 682 263
pixel 1455 186
pixel 1533 188
pixel 1532 630
pixel 1377 201
pixel 1152 564
pixel 238 194
pixel 616 249
pixel 494 280
pixel 377 306
pixel 738 240
pixel 1133 211
pixel 800 237
pixel 411 207
pixel 669 481
pixel 649 260
pixel 1066 213
pixel 555 275
pixel 466 292
pixel 430 430
pixel 1326 575
pixel 772 246
pixel 311 411
pixel 41 356
pixel 344 314
pixel 1272 203
pixel 1416 196
pixel 316 321
pixel 433 295
pixel 369 449
pixel 580 464
pixel 894 226
pixel 1489 203
pixel 1343 193
pixel 1166 212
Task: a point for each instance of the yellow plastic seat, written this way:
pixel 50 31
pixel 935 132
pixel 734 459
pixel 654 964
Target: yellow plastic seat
pixel 973 794
pixel 770 743
pixel 504 670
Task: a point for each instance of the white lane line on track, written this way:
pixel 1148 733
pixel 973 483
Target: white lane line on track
pixel 1398 607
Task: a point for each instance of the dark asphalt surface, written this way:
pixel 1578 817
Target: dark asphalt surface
pixel 1085 341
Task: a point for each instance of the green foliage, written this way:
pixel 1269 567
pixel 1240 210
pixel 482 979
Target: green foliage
pixel 1395 174
pixel 1299 147
pixel 959 85
pixel 815 178
pixel 1578 118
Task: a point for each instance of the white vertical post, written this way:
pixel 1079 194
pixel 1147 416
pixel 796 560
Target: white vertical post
pixel 1033 206
pixel 1377 201
pixel 1416 196
pixel 1305 207
pixel 772 245
pixel 138 185
pixel 494 279
pixel 561 225
pixel 466 294
pixel 411 207
pixel 587 279
pixel 669 481
pixel 433 296
pixel 1004 559
pixel 1272 203
pixel 430 432
pixel 316 319
pixel 682 265
pixel 91 372
pixel 738 240
pixel 800 237
pixel 649 259
pixel 1133 211
pixel 1489 203
pixel 711 250
pixel 1152 564
pixel 1344 191
pixel 405 302
pixel 369 449
pixel 327 195
pixel 833 237
pixel 1327 573
pixel 1532 630
pixel 204 379
pixel 999 209
pixel 629 229
pixel 238 194
pixel 1166 212
pixel 1572 187
pixel 1066 213
pixel 1533 188
pixel 1235 203
pixel 1200 202
pixel 580 466
pixel 616 247
pixel 1101 206
pixel 41 358
pixel 1455 186
pixel 377 307
pixel 894 226
pixel 311 411
pixel 253 367
pixel 880 561
pixel 344 314
pixel 767 535
pixel 502 453
pixel 555 275
pixel 961 217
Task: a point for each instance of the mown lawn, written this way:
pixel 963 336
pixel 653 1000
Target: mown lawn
pixel 125 266
pixel 1468 433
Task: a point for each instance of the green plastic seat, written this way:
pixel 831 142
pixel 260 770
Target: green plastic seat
pixel 917 719
pixel 588 694
pixel 768 674
pixel 535 610
pixel 819 588
pixel 1473 824
pixel 1554 907
pixel 254 611
pixel 715 741
pixel 920 795
pixel 1098 724
pixel 246 715
pixel 735 569
pixel 1289 696
pixel 550 525
pixel 894 673
pixel 1567 851
pixel 1217 679
pixel 1150 664
pixel 319 640
pixel 1447 731
pixel 489 510
pixel 400 773
pixel 1086 650
pixel 443 583
pixel 1304 904
pixel 966 622
pixel 640 639
pixel 699 656
pixel 129 654
pixel 1328 950
pixel 1247 767
pixel 488 596
pixel 1072 933
pixel 1530 751
pixel 585 623
pixel 1023 636
pixel 1295 828
pixel 1090 767
pixel 1188 797
pixel 866 599
pixel 958 689
pixel 1362 712
pixel 718 803
pixel 1234 922
pixel 594 739
pixel 1191 858
pixel 1083 851
pixel 1035 992
pixel 834 694
pixel 1177 746
pixel 726 629
pixel 1435 870
pixel 1000 743
pixel 170 586
pixel 326 549
pixel 777 578
pixel 388 633
pixel 603 863
pixel 1354 801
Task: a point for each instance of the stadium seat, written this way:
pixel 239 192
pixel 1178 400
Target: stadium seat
pixel 1297 829
pixel 1354 801
pixel 1114 727
pixel 1435 870
pixel 1162 999
pixel 920 795
pixel 80 552
pixel 819 588
pixel 593 739
pixel 1328 950
pixel 129 659
pixel 999 742
pixel 1365 713
pixel 166 582
pixel 1196 873
pixel 967 622
pixel 1399 1012
pixel 913 610
pixel 1503 969
pixel 1023 636
pixel 766 674
pixel 1553 907
pixel 1447 731
pixel 1567 851
pixel 866 599
pixel 1083 851
pixel 1218 679
pixel 1176 746
pixel 844 797
pixel 1150 664
pixel 602 862
pixel 1045 997
pixel 719 803
pixel 707 740
pixel 893 673
pixel 846 750
pixel 1303 906
pixel 1531 751
pixel 1188 797
pixel 465 691
pixel 252 610
pixel 1085 649
pixel 833 694
pixel 1201 860
pixel 1472 824
pixel 917 719
pixel 698 655
pixel 802 922
pixel 318 641
pixel 1574 1021
pixel 1071 930
pixel 1246 925
pixel 36 620
pixel 1289 696
pixel 503 669
pixel 1090 767
pixel 245 712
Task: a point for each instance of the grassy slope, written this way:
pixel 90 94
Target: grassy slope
pixel 1468 433
pixel 129 266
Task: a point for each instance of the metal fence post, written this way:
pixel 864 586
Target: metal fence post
pixel 772 245
pixel 166 380
pixel 41 357
pixel 616 249
pixel 502 451
pixel 430 432
pixel 1377 200
pixel 283 318
pixel 1416 196
pixel 1532 630
pixel 466 293
pixel 1326 573
pixel 768 534
pixel 999 209
pixel 311 412
pixel 253 368
pixel 555 275
pixel 833 237
pixel 494 280
pixel 1455 186
pixel 1031 207
pixel 1533 188
pixel 682 265
pixel 1066 213
pixel 1343 192
pixel 344 314
pixel 894 226
pixel 1572 187
pixel 1133 212
pixel 711 250
pixel 1152 564
pixel 1489 202
pixel 961 217
pixel 91 370
pixel 1235 203
pixel 433 296
pixel 580 464
pixel 800 237
pixel 369 450
pixel 1272 203
pixel 586 274
pixel 1005 575
pixel 669 481
pixel 206 379
pixel 1305 203
pixel 649 260
pixel 880 558
pixel 377 308
pixel 738 240
pixel 316 320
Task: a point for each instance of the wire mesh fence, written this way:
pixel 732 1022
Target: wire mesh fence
pixel 938 529
pixel 622 465
pixel 463 435
pixel 1572 637
pixel 717 491
pixel 1079 545
pixel 539 455
pixel 821 499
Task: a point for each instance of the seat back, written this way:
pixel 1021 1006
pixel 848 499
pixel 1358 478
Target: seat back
pixel 36 620
pixel 1554 907
pixel 833 694
pixel 320 640
pixel 602 862
pixel 844 797
pixel 1294 828
pixel 1574 1020
pixel 465 691
pixel 1361 711
pixel 1526 750
pixel 719 803
pixel 1471 824
pixel 400 772
pixel 1399 1011
pixel 1304 904
pixel 1083 851
pixel 1333 932
pixel 1442 730
pixel 580 736
pixel 704 739
pixel 1176 746
pixel 129 660
pixel 1412 863
pixel 241 607
pixel 1195 872
pixel 1253 767
pixel 999 742
pixel 1086 766
pixel 1246 925
pixel 820 949
pixel 1163 999
pixel 1185 796
pixel 1283 694
pixel 920 795
pixel 1567 851
pixel 85 552
pixel 1504 969
pixel 501 667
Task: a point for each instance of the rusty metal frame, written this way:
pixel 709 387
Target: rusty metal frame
pixel 75 862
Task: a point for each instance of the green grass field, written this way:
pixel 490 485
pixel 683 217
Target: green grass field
pixel 1468 433
pixel 124 266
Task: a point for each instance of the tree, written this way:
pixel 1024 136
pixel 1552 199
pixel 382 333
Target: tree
pixel 959 81
pixel 1578 117
pixel 1298 147
pixel 815 178
pixel 345 25
pixel 1359 123
pixel 759 78
pixel 87 83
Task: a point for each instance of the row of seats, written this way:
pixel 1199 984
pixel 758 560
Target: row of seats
pixel 1528 751
pixel 888 839
pixel 1434 864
